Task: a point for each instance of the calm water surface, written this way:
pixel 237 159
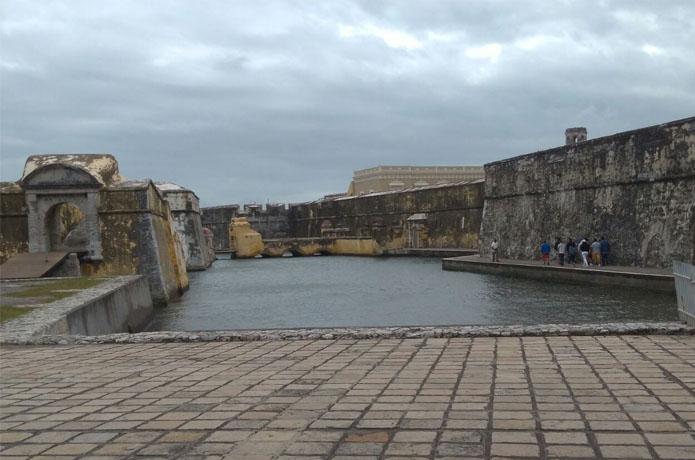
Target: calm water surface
pixel 361 291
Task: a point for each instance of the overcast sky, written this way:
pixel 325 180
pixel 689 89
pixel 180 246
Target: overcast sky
pixel 280 101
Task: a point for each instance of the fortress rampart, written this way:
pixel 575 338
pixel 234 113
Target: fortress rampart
pixel 444 216
pixel 637 188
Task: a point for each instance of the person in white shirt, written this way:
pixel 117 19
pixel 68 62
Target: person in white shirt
pixel 561 247
pixel 493 248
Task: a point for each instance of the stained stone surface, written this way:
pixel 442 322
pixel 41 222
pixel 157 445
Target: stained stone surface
pixel 246 335
pixel 462 397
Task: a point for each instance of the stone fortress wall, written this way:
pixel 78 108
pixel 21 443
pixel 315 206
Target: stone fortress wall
pixel 271 221
pixel 185 212
pixel 80 203
pixel 444 216
pixel 637 188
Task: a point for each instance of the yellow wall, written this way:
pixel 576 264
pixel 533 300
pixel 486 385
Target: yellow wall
pixel 245 241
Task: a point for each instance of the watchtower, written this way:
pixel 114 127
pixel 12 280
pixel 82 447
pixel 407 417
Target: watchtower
pixel 575 135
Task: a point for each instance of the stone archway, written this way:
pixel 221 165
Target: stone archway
pixel 62 207
pixel 65 227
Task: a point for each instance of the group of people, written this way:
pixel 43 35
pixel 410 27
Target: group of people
pixel 596 252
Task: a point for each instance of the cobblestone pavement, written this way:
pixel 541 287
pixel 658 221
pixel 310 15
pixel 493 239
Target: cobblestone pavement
pixel 565 397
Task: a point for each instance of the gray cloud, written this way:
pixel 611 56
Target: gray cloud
pixel 281 101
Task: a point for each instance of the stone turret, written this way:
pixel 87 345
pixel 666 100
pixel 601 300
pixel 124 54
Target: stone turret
pixel 575 135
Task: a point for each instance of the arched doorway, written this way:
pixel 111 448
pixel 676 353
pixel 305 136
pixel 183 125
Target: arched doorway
pixel 65 227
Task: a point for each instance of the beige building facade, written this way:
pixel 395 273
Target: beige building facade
pixel 391 178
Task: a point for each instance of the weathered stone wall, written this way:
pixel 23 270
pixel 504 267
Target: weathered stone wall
pixel 446 216
pixel 271 221
pixel 185 211
pixel 637 188
pixel 217 219
pixel 14 232
pixel 138 237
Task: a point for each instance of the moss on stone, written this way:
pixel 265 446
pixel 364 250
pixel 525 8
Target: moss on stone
pixel 8 313
pixel 50 291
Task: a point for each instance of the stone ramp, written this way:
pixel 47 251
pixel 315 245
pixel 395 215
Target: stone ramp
pixel 31 264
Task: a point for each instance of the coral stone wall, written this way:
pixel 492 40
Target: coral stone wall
pixel 217 219
pixel 137 237
pixel 637 188
pixel 446 216
pixel 14 231
pixel 185 211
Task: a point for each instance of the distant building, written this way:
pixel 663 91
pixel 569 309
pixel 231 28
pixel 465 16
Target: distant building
pixel 389 178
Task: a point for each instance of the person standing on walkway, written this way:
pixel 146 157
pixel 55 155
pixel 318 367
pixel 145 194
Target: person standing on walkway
pixel 561 252
pixel 571 249
pixel 584 251
pixel 596 252
pixel 493 248
pixel 545 252
pixel 605 250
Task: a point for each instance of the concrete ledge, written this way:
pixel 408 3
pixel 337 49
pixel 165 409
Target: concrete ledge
pixel 665 328
pixel 431 252
pixel 601 277
pixel 687 318
pixel 121 304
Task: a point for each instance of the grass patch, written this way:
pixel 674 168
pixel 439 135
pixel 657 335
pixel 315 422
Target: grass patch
pixel 56 290
pixel 8 313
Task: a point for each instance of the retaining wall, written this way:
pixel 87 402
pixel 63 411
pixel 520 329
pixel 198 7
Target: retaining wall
pixel 583 276
pixel 121 304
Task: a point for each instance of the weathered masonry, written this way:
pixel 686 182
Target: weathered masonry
pixel 637 188
pixel 444 216
pixel 80 204
pixel 185 212
pixel 217 219
pixel 271 222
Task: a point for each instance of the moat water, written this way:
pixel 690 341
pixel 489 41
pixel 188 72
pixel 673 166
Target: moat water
pixel 360 291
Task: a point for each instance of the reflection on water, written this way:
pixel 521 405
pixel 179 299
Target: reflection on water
pixel 361 291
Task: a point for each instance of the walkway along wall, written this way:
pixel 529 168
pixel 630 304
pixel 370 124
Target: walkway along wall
pixel 637 188
pixel 444 216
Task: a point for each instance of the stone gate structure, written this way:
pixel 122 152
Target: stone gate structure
pixel 81 204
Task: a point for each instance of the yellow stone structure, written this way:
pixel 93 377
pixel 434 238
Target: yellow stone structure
pixel 393 178
pixel 244 240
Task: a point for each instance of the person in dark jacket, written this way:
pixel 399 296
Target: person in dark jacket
pixel 605 250
pixel 571 252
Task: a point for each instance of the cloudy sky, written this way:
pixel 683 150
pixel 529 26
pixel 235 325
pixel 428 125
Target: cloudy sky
pixel 281 100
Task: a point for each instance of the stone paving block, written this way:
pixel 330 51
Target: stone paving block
pixel 309 448
pixel 362 398
pixel 631 452
pixel 456 450
pixel 359 448
pixel 675 452
pixel 570 451
pixel 514 437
